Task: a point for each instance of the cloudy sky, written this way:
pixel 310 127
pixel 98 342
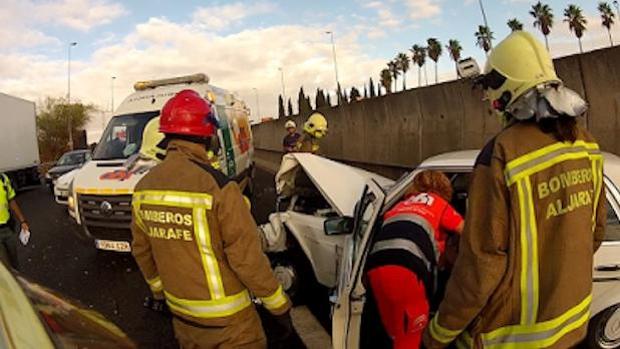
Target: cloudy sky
pixel 241 44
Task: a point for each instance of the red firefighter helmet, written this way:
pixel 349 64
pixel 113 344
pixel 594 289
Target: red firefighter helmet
pixel 187 114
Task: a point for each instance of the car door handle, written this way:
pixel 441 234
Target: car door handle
pixel 608 267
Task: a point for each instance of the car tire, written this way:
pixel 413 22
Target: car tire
pixel 604 329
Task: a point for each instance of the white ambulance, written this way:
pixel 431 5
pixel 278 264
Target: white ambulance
pixel 100 193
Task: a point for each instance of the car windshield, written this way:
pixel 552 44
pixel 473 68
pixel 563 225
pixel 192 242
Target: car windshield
pixel 123 136
pixel 69 159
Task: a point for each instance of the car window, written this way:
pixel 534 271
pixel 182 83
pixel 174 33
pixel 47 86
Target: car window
pixel 612 230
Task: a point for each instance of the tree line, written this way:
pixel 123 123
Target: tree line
pixel 543 19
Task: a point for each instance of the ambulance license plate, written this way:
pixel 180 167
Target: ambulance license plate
pixel 118 246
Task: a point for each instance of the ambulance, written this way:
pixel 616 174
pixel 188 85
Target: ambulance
pixel 100 192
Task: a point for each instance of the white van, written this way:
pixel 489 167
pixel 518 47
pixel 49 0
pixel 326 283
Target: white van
pixel 100 193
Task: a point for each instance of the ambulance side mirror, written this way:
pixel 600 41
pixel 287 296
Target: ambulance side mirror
pixel 338 226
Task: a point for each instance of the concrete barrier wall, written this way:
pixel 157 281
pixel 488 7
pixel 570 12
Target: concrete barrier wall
pixel 392 134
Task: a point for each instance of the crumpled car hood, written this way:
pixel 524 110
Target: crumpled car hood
pixel 341 185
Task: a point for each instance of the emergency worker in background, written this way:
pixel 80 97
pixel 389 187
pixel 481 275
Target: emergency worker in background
pixel 315 128
pixel 406 255
pixel 523 276
pixel 8 236
pixel 152 150
pixel 289 143
pixel 196 242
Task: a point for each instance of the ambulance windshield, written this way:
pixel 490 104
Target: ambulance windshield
pixel 123 136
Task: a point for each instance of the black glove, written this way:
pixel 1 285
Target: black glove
pixel 157 305
pixel 284 330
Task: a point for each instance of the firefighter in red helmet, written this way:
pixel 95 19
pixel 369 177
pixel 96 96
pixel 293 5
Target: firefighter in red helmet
pixel 196 242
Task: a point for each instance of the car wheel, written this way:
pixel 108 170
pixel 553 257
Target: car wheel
pixel 604 329
pixel 293 271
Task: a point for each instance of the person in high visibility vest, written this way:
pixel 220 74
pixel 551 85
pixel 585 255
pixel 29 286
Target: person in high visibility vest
pixel 195 240
pixel 407 255
pixel 8 237
pixel 536 215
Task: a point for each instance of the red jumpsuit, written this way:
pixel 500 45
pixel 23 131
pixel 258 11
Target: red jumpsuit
pixel 403 263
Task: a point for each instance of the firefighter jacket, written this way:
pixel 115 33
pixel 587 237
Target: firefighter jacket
pixel 196 242
pixel 308 144
pixel 523 277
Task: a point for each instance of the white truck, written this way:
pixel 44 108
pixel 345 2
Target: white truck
pixel 100 192
pixel 19 158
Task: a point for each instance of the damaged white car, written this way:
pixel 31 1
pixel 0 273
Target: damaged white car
pixel 312 190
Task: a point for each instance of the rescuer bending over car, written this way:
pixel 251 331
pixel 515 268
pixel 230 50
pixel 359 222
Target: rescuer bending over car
pixel 195 240
pixel 407 254
pixel 523 276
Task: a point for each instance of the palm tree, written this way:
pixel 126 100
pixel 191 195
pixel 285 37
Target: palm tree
pixel 454 48
pixel 395 71
pixel 419 58
pixel 386 80
pixel 484 36
pixel 515 25
pixel 576 22
pixel 543 19
pixel 403 64
pixel 607 17
pixel 434 52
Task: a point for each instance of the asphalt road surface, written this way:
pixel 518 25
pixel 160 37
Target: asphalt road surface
pixel 107 282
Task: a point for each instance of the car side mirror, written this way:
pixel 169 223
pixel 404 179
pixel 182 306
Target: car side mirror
pixel 338 226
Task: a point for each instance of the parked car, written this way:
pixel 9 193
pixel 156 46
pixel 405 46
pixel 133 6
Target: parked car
pixel 61 188
pixel 68 162
pixel 339 257
pixel 34 317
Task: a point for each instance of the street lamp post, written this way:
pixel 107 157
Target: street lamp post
pixel 484 17
pixel 257 103
pixel 112 93
pixel 69 126
pixel 282 80
pixel 331 35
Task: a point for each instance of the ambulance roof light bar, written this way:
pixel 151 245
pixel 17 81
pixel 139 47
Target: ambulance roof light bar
pixel 187 79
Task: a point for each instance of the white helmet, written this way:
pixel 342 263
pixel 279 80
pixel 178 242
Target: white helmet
pixel 290 124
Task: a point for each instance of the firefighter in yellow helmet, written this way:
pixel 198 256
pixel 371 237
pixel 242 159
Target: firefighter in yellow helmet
pixel 315 128
pixel 195 240
pixel 523 277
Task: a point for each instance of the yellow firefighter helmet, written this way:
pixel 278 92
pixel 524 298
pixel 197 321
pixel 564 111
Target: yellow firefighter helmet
pixel 316 125
pixel 519 63
pixel 151 137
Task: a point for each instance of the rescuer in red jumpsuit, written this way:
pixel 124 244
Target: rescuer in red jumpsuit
pixel 408 253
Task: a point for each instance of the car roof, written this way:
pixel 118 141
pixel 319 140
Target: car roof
pixel 459 159
pixel 465 159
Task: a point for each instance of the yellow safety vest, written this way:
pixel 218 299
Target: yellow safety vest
pixel 6 194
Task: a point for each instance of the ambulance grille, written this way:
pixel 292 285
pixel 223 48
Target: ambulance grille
pixel 100 213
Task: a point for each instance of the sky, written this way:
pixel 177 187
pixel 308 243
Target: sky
pixel 242 44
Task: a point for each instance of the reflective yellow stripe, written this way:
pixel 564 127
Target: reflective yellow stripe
pixel 441 334
pixel 546 157
pixel 597 175
pixel 174 199
pixel 208 309
pixel 276 300
pixel 529 253
pixel 542 334
pixel 155 284
pixel 209 261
